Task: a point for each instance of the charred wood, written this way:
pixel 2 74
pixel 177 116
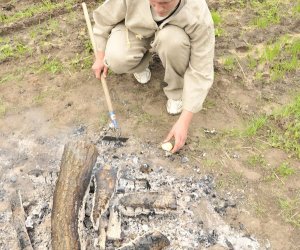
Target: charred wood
pixel 74 178
pixel 18 215
pixel 149 241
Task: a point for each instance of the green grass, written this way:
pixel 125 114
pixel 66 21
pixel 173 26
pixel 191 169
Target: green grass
pixel 13 50
pixel 6 78
pixel 290 210
pixel 285 129
pixel 284 170
pixel 252 62
pixel 254 126
pixel 281 129
pixel 229 63
pixel 80 61
pixel 279 58
pixel 217 22
pixel 268 12
pixel 256 161
pixel 43 7
pixel 296 9
pixel 53 65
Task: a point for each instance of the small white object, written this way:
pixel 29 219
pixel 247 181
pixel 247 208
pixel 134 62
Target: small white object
pixel 167 146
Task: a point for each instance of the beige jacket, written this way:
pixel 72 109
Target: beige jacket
pixel 193 17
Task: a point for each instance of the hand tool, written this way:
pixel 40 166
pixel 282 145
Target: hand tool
pixel 112 115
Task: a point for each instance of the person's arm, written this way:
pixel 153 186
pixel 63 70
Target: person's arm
pixel 180 130
pixel 99 67
pixel 198 77
pixel 106 16
pixel 110 13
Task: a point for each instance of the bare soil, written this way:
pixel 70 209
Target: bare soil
pixel 44 110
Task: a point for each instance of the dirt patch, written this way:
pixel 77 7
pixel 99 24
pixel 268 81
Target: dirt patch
pixel 49 96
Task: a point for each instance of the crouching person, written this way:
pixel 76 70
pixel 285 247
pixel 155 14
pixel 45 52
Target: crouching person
pixel 181 32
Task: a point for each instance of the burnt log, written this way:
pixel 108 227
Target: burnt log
pixel 149 241
pixel 105 185
pixel 114 224
pixel 71 189
pixel 146 202
pixel 18 215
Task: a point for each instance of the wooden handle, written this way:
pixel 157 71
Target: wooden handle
pixel 103 81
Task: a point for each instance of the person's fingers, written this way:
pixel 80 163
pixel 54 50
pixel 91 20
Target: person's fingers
pixel 97 73
pixel 176 145
pixel 105 71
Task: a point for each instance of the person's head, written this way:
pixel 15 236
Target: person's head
pixel 163 7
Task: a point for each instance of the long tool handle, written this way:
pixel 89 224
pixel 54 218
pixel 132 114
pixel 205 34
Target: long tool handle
pixel 103 81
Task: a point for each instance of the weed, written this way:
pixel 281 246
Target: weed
pixel 259 209
pixel 6 51
pixel 229 63
pixel 43 7
pixel 254 126
pixel 256 161
pixel 88 47
pixel 209 104
pixel 217 22
pixel 285 132
pixel 51 65
pixel 290 210
pixel 80 62
pixel 6 78
pixel 296 9
pixel 280 57
pixel 13 50
pixel 284 170
pixel 252 62
pixel 268 12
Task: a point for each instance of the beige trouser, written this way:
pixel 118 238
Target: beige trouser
pixel 126 53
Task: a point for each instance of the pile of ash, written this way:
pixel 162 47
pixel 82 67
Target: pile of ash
pixel 155 196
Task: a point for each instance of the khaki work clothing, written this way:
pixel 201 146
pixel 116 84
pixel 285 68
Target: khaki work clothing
pixel 184 43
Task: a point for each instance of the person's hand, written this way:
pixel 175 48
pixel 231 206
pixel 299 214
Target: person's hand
pixel 180 130
pixel 99 67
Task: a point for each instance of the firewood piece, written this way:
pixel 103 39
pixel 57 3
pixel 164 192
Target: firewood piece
pixel 127 185
pixel 18 215
pixel 149 241
pixel 149 200
pixel 114 224
pixel 105 185
pixel 75 173
pixel 102 234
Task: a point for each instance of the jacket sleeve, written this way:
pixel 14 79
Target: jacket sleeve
pixel 199 75
pixel 106 16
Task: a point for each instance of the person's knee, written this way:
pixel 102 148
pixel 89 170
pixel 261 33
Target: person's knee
pixel 172 39
pixel 120 61
pixel 116 60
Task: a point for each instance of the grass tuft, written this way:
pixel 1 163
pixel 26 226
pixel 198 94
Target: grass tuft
pixel 51 65
pixel 290 210
pixel 217 22
pixel 43 7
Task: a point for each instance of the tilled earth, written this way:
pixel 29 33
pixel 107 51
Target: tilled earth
pixel 48 96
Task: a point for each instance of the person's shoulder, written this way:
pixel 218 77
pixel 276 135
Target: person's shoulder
pixel 196 4
pixel 198 9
